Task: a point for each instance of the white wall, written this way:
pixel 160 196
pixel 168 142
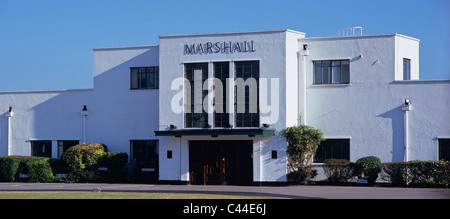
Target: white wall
pixel 115 113
pixel 368 110
pixel 276 51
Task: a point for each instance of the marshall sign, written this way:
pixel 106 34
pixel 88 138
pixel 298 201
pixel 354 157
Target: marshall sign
pixel 219 47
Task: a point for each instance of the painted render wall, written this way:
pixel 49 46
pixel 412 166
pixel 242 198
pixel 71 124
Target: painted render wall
pixel 368 110
pixel 276 52
pixel 116 114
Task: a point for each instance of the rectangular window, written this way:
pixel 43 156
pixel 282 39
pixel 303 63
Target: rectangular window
pixel 144 78
pixel 64 145
pixel 444 149
pixel 194 114
pixel 221 73
pixel 145 153
pixel 333 149
pixel 332 72
pixel 406 69
pixel 246 94
pixel 41 148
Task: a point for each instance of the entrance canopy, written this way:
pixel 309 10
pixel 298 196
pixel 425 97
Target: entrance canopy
pixel 215 132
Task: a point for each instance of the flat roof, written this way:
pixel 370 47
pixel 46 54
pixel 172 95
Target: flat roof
pixel 231 33
pixel 360 36
pixel 125 47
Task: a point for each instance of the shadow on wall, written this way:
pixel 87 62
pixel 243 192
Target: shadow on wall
pixel 115 114
pixel 397 120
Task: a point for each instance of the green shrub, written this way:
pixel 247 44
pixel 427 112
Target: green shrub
pixel 303 175
pixel 302 143
pixel 115 163
pixel 397 173
pixel 39 169
pixel 8 168
pixel 430 173
pixel 338 170
pixel 368 168
pixel 83 155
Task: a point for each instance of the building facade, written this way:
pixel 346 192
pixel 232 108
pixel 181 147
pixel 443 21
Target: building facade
pixel 210 108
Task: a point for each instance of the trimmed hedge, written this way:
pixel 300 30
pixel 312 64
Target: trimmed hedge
pixel 37 169
pixel 338 170
pixel 417 173
pixel 79 163
pixel 8 168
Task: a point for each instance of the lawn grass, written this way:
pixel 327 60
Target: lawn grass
pixel 113 195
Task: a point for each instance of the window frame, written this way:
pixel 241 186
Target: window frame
pixel 222 119
pixel 240 119
pixel 407 69
pixel 344 142
pixel 189 118
pixel 444 142
pixel 145 143
pixel 140 72
pixel 344 77
pixel 46 150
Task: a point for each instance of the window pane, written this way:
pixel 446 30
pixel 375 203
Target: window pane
pixel 221 72
pixel 333 149
pixel 406 69
pixel 326 74
pixel 345 72
pixel 196 116
pixel 246 100
pixel 444 149
pixel 134 78
pixel 41 148
pixel 336 75
pixel 317 72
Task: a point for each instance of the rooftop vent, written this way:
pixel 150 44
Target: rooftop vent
pixel 350 31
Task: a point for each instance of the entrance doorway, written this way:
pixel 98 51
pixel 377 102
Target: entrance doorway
pixel 221 162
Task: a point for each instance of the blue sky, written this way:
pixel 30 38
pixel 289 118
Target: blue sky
pixel 47 44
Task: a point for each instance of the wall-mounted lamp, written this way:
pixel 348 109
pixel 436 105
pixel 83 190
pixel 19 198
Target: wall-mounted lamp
pixel 10 109
pixel 360 56
pixel 305 46
pixel 407 102
pixel 84 108
pixel 265 125
pixel 173 127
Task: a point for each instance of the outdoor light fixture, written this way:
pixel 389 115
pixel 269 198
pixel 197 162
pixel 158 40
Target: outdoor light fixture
pixel 266 125
pixel 10 109
pixel 172 127
pixel 407 102
pixel 84 108
pixel 305 46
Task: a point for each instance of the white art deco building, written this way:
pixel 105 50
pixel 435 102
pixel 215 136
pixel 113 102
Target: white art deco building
pixel 209 108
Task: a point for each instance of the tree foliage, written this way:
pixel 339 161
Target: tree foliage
pixel 303 142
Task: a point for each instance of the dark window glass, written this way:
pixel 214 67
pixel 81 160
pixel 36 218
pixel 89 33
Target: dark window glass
pixel 145 153
pixel 333 149
pixel 64 145
pixel 194 114
pixel 41 148
pixel 144 78
pixel 406 69
pixel 221 72
pixel 246 94
pixel 444 149
pixel 332 72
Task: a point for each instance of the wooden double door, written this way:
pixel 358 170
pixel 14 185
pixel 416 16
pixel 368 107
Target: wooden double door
pixel 221 162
